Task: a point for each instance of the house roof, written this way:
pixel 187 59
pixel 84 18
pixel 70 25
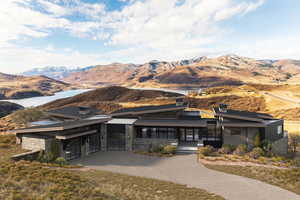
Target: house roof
pixel 121 121
pixel 59 126
pixel 75 112
pixel 148 109
pixel 172 123
pixel 243 115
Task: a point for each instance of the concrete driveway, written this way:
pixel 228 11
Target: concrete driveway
pixel 184 169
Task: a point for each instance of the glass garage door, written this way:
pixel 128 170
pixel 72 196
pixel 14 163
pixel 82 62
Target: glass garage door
pixel 116 137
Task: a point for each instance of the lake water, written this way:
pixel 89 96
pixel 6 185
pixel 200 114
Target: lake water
pixel 37 101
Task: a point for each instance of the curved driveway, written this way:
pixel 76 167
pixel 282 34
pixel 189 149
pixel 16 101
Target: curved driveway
pixel 184 169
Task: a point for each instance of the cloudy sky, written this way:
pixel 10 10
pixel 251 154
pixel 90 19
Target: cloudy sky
pixel 37 33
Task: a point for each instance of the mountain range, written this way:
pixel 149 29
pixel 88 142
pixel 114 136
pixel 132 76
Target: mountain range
pixel 197 72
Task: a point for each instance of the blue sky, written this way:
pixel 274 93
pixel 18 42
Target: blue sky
pixel 78 33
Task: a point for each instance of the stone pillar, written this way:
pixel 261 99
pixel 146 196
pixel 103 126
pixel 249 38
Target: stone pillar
pixel 129 137
pixel 103 137
pixel 280 147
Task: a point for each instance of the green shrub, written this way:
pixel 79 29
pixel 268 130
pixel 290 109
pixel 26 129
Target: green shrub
pixel 169 149
pixel 226 149
pixel 256 153
pixel 267 147
pixel 240 150
pixel 206 151
pixel 257 141
pixel 156 149
pixel 60 161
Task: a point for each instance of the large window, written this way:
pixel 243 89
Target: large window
pixel 162 133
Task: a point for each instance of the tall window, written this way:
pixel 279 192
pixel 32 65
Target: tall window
pixel 171 133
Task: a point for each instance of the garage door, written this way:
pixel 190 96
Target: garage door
pixel 116 137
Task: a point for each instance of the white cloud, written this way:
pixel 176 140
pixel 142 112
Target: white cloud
pixel 14 59
pixel 142 30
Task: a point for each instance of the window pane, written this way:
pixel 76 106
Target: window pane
pixel 171 133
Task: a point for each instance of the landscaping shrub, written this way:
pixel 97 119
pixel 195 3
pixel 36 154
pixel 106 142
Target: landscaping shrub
pixel 206 151
pixel 156 149
pixel 226 149
pixel 267 147
pixel 240 150
pixel 169 149
pixel 257 141
pixel 60 161
pixel 256 153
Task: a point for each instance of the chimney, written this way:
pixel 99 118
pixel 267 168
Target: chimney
pixel 223 108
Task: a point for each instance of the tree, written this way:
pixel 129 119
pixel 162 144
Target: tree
pixel 294 142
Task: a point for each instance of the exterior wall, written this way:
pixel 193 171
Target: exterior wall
pixel 103 137
pixel 280 147
pixel 145 143
pixel 36 143
pixel 272 131
pixel 129 137
pixel 246 137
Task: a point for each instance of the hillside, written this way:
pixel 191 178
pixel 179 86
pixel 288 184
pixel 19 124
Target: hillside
pixel 108 99
pixel 193 73
pixel 19 87
pixel 7 108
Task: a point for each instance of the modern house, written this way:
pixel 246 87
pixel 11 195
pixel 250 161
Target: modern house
pixel 141 128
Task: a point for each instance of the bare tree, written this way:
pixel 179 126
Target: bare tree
pixel 294 141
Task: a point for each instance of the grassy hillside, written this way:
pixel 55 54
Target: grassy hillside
pixel 19 87
pixel 108 98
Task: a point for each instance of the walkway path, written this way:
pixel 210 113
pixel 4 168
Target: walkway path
pixel 184 169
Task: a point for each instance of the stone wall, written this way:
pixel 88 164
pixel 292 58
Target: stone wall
pixel 129 134
pixel 32 155
pixel 103 137
pixel 36 143
pixel 280 147
pixel 145 143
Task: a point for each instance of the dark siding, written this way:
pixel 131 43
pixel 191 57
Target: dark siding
pixel 271 131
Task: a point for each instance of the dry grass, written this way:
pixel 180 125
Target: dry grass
pixel 130 187
pixel 288 179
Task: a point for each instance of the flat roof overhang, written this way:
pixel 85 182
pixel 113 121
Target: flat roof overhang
pixel 59 126
pixel 172 123
pixel 148 111
pixel 244 125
